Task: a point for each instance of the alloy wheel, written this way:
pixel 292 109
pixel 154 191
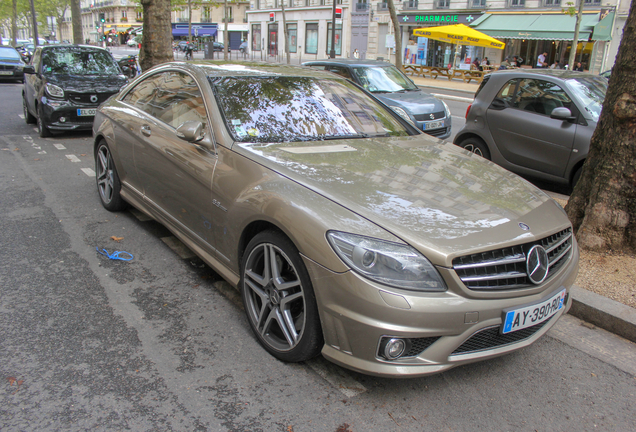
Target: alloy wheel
pixel 105 175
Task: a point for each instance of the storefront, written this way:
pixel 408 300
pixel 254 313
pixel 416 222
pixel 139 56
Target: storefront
pixel 428 52
pixel 531 34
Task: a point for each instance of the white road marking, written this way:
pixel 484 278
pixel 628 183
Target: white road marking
pixel 21 116
pixel 72 158
pixel 337 377
pixel 59 146
pixel 89 172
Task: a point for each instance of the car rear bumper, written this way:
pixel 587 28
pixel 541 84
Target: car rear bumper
pixel 356 314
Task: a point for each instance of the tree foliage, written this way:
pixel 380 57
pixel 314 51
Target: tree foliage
pixel 602 206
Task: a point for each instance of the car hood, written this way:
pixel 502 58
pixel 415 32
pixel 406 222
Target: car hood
pixel 89 84
pixel 442 200
pixel 14 62
pixel 416 102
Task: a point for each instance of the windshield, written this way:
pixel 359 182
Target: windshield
pixel 383 79
pixel 289 109
pixel 591 92
pixel 9 53
pixel 78 61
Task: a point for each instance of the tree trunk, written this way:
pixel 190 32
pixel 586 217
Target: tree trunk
pixel 36 39
pixel 575 42
pixel 226 37
pixel 76 21
pixel 156 46
pixel 14 24
pixel 285 30
pixel 398 34
pixel 190 21
pixel 602 207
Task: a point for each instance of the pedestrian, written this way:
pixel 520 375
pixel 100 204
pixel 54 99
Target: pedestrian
pixel 578 67
pixel 541 60
pixel 504 64
pixel 556 65
pixel 475 65
pixel 356 54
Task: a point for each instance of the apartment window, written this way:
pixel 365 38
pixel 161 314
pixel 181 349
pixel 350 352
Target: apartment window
pixel 593 2
pixel 516 3
pixel 228 14
pixel 140 16
pixel 552 3
pixel 338 39
pixel 307 3
pixel 311 38
pixel 478 3
pixel 443 4
pixel 256 37
pixel 290 4
pixel 257 4
pixel 292 43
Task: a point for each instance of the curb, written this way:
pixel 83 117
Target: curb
pixel 603 312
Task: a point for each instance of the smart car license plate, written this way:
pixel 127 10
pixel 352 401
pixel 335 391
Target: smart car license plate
pixel 6 72
pixel 86 112
pixel 528 316
pixel 434 125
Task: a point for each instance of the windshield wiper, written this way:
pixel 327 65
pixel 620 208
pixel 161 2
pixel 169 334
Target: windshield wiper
pixel 337 137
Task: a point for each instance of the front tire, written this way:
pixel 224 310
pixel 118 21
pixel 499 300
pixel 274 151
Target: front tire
pixel 108 184
pixel 28 117
pixel 279 299
pixel 477 146
pixel 43 131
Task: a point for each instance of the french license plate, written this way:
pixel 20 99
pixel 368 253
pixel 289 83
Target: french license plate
pixel 6 72
pixel 86 112
pixel 528 316
pixel 434 125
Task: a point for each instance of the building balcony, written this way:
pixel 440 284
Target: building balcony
pixel 410 5
pixel 182 20
pixel 228 20
pixel 206 19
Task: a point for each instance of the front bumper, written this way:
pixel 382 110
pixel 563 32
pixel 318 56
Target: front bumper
pixel 356 314
pixel 63 115
pixel 441 133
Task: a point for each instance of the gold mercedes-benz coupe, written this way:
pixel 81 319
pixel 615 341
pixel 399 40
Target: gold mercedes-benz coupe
pixel 347 231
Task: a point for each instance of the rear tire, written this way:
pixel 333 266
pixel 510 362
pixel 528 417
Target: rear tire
pixel 477 146
pixel 108 184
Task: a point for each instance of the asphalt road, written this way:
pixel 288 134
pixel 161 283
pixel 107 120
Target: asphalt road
pixel 161 343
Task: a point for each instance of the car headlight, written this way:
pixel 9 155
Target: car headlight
pixel 447 109
pixel 401 112
pixel 54 91
pixel 388 263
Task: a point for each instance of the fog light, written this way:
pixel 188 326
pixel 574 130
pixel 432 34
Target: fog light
pixel 394 348
pixel 62 119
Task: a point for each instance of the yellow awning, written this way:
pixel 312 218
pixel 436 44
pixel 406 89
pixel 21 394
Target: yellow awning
pixel 459 34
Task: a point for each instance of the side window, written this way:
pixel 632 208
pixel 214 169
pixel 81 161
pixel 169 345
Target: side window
pixel 341 71
pixel 171 97
pixel 507 92
pixel 541 96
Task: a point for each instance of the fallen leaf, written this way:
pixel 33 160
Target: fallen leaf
pixel 83 154
pixel 16 149
pixel 11 380
pixel 117 239
pixel 36 159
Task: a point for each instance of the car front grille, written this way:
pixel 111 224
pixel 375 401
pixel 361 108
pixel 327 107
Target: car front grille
pixel 436 132
pixel 505 269
pixel 491 337
pixel 7 68
pixel 427 117
pixel 85 98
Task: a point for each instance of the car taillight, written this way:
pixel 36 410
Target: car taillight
pixel 468 110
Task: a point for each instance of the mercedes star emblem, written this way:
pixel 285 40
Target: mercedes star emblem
pixel 537 264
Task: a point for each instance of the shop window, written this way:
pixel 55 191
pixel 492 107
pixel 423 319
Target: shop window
pixel 338 39
pixel 256 37
pixel 311 38
pixel 292 43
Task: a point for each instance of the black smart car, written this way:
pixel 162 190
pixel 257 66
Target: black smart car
pixel 64 85
pixel 11 64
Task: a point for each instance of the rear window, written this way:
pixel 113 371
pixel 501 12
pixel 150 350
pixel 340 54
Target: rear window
pixel 290 109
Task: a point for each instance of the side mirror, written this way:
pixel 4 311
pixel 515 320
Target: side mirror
pixel 190 131
pixel 28 69
pixel 562 113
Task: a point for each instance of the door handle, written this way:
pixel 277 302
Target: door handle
pixel 145 130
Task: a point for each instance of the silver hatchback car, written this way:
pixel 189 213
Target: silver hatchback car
pixel 535 122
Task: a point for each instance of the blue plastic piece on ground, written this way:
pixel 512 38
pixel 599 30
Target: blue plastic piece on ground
pixel 115 255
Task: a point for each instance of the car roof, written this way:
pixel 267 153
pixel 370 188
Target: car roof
pixel 62 45
pixel 350 62
pixel 556 73
pixel 222 68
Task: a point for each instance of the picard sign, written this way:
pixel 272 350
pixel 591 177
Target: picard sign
pixel 437 19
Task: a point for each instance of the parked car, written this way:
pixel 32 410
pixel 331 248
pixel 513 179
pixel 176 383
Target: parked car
pixel 395 89
pixel 347 230
pixel 217 46
pixel 243 47
pixel 65 84
pixel 11 64
pixel 535 122
pixel 607 74
pixel 131 42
